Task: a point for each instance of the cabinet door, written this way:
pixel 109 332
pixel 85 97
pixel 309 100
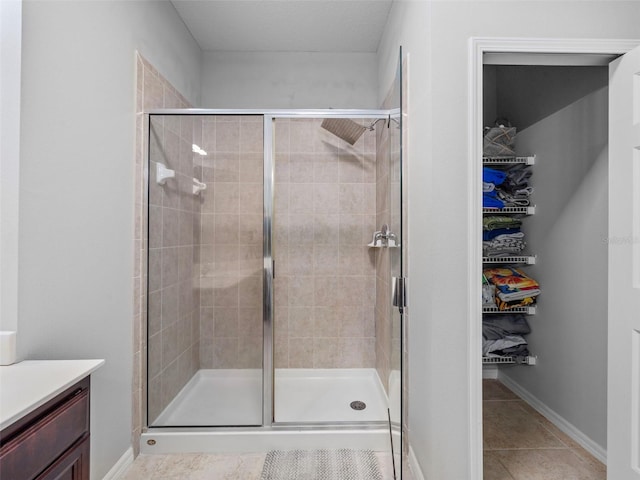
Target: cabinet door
pixel 73 465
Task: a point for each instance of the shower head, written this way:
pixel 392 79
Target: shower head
pixel 347 129
pixel 344 128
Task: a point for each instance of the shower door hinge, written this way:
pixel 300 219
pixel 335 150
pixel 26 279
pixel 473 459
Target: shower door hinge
pixel 399 293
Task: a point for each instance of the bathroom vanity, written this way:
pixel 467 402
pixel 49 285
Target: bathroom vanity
pixel 44 419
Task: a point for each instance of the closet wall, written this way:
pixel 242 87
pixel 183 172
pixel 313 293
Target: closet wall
pixel 561 114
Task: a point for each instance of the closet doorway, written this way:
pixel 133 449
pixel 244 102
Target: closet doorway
pixel 562 221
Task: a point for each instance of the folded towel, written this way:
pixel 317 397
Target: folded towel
pixel 489 200
pixel 491 175
pixel 501 344
pixel 491 234
pixel 491 222
pixel 498 326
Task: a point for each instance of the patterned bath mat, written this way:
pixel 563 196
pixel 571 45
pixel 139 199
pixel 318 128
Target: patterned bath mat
pixel 344 464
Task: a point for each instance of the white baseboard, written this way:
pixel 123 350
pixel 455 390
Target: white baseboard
pixel 414 466
pixel 490 371
pixel 121 465
pixel 585 442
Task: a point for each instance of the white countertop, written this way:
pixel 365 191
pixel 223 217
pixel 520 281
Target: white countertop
pixel 26 385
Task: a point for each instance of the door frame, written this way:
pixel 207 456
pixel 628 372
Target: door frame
pixel 477 46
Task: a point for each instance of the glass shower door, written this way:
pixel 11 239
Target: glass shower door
pixel 205 270
pixel 396 273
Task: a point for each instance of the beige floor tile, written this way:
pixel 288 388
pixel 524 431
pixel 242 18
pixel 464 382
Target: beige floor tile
pixel 251 468
pixel 217 467
pixel 175 464
pixel 493 469
pixel 494 390
pixel 508 425
pixel 542 464
pixel 593 462
pixel 563 437
pixel 144 466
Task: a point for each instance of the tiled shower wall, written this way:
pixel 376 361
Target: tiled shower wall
pixel 231 266
pixel 174 336
pixel 324 217
pixel 382 259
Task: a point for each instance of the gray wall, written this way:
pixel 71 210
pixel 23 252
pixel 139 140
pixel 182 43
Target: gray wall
pixel 10 53
pixel 288 80
pixel 435 35
pixel 568 233
pixel 77 190
pixel 553 88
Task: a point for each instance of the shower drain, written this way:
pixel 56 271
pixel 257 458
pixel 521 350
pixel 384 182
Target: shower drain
pixel 358 405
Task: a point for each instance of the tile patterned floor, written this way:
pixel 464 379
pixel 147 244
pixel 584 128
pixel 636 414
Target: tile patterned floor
pixel 521 444
pixel 213 467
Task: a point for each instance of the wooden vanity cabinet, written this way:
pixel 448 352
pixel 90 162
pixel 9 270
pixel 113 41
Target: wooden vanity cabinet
pixel 52 442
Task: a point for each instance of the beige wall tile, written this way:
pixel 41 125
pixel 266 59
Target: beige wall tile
pixel 225 322
pixel 226 260
pixel 225 291
pixel 301 321
pixel 300 260
pixel 301 198
pixel 226 229
pixel 250 260
pixel 326 198
pixel 250 321
pixel 250 292
pixel 351 168
pixel 281 350
pixel 251 168
pixel 227 135
pixel 326 169
pixel 301 352
pixel 301 291
pixel 325 260
pixel 250 229
pixel 225 352
pixel 251 135
pixel 250 352
pixel 250 198
pixel 326 228
pixel 301 168
pixel 226 198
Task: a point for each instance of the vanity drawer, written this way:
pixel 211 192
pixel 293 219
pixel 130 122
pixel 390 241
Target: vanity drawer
pixel 36 447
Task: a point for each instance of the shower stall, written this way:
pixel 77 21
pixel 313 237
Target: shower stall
pixel 274 241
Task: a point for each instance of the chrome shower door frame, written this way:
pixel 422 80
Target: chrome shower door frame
pixel 269 118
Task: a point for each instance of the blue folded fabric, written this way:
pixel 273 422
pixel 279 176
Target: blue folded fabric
pixel 489 200
pixel 491 234
pixel 490 175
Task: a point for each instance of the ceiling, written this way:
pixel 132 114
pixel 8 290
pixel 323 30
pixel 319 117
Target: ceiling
pixel 285 25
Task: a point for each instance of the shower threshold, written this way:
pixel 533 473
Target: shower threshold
pixel 312 410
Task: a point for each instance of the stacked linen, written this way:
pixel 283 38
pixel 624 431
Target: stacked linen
pixel 513 287
pixel 507 187
pixel 501 236
pixel 503 335
pixel 491 179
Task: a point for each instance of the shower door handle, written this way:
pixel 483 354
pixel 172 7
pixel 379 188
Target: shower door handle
pixel 399 293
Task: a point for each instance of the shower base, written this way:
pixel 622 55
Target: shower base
pixel 309 404
pixel 233 397
pixel 228 397
pixel 325 395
